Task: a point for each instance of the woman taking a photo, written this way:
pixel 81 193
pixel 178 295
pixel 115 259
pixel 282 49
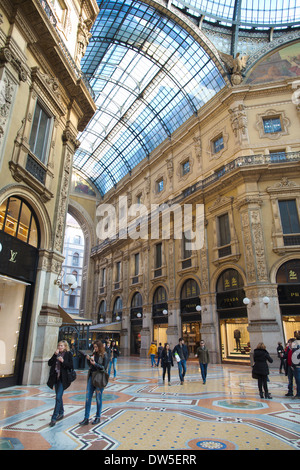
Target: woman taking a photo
pixel 98 360
pixel 60 363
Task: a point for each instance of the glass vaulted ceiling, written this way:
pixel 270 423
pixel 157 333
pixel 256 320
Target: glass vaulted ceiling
pixel 149 76
pixel 246 13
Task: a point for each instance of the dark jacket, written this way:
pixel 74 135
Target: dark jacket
pixel 260 357
pixel 101 362
pixel 182 351
pixel 64 367
pixel 115 352
pixel 166 357
pixel 203 355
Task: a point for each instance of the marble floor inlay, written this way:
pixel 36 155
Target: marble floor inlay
pixel 140 412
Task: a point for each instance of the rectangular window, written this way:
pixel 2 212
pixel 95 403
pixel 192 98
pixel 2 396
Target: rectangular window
pixel 103 277
pixel 160 185
pixel 72 299
pixel 158 255
pixel 218 144
pixel 118 271
pixel 272 125
pixel 186 240
pixel 185 167
pixel 136 264
pixel 224 230
pixel 289 216
pixel 40 131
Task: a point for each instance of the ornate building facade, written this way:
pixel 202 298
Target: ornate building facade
pixel 45 102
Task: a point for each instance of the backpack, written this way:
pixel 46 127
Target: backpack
pixel 295 355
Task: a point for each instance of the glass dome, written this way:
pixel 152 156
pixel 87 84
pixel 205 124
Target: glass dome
pixel 245 13
pixel 150 75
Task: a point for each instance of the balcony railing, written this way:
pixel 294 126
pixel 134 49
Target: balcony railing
pixel 79 74
pixel 238 163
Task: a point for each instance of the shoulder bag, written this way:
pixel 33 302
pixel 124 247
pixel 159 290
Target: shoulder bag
pixel 100 378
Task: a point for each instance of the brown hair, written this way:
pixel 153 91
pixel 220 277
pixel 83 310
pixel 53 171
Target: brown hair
pixel 260 346
pixel 101 348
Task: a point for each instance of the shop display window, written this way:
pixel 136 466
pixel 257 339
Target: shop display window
pixel 12 295
pixel 235 338
pixel 290 325
pixel 191 336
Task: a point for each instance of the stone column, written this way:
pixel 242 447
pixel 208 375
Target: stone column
pixel 264 323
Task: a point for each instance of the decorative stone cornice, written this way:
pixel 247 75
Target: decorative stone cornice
pixel 8 56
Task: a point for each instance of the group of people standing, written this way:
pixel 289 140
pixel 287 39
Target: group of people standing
pixel 180 354
pixel 289 362
pixel 104 357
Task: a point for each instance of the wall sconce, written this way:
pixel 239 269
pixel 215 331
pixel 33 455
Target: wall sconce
pixel 266 300
pixel 247 301
pixel 198 308
pixel 139 315
pixel 165 312
pixel 71 283
pixel 118 318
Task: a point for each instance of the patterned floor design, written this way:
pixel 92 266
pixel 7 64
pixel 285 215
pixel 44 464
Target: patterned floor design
pixel 141 413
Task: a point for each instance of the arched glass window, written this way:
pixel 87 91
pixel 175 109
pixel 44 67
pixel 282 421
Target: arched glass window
pixel 18 220
pixel 137 300
pixel 160 295
pixel 190 289
pixel 102 312
pixel 289 273
pixel 229 280
pixel 117 310
pixel 118 305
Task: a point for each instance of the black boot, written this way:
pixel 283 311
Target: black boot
pixel 84 422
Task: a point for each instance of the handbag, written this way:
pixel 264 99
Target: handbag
pixel 71 375
pixel 100 378
pixel 254 375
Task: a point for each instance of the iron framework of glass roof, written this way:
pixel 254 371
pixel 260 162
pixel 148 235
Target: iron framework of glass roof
pixel 149 75
pixel 246 13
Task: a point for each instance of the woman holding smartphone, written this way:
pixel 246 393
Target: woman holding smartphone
pixel 60 363
pixel 98 360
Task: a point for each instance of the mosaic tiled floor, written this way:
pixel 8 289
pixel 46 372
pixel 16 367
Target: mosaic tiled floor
pixel 141 413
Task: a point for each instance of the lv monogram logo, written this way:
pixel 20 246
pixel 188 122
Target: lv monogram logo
pixel 13 255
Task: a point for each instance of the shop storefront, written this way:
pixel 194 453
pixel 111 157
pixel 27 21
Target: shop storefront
pixel 190 315
pixel 233 319
pixel 160 316
pixel 19 241
pixel 288 281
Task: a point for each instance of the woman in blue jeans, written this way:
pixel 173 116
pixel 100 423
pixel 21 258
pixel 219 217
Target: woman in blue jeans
pixel 98 360
pixel 114 357
pixel 60 363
